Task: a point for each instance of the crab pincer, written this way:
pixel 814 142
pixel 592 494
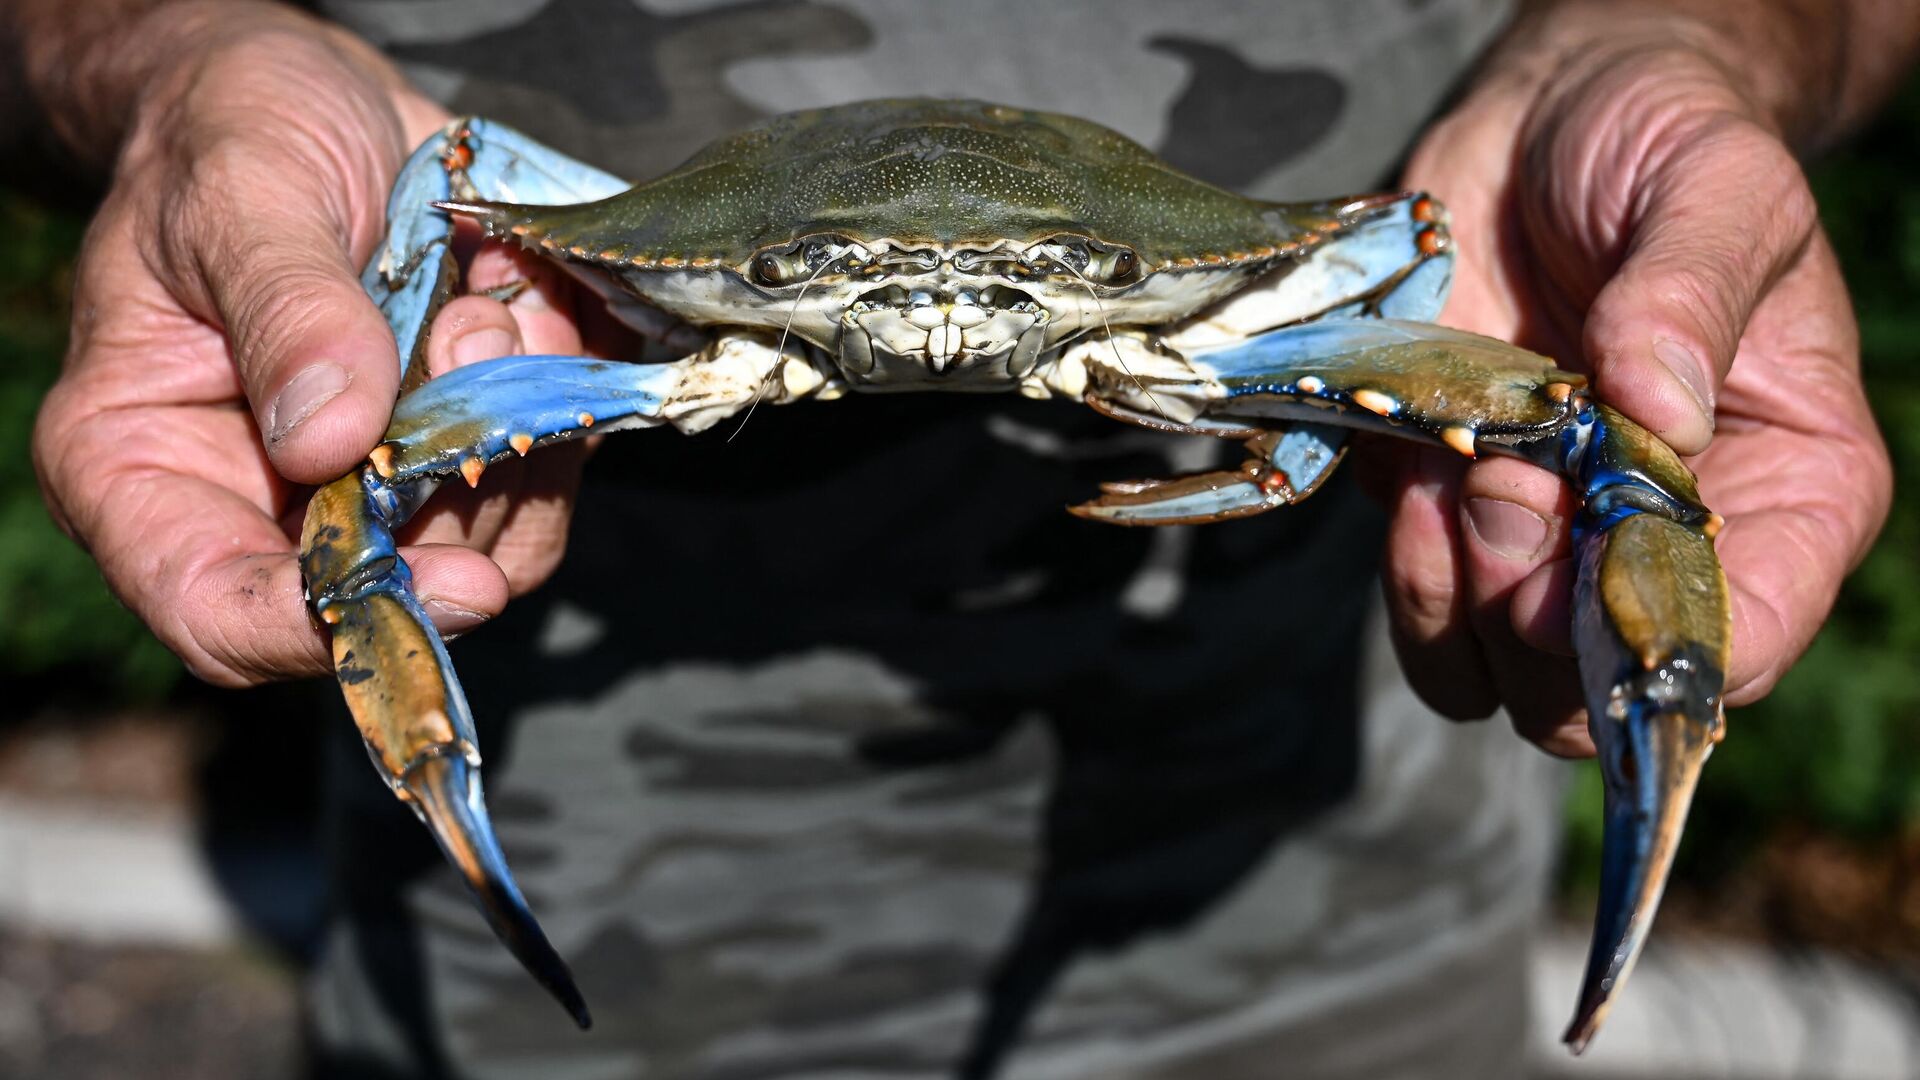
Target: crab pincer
pixel 1651 613
pixel 411 712
pixel 1652 628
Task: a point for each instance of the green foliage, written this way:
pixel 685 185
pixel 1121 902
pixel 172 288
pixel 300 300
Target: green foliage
pixel 1836 747
pixel 59 620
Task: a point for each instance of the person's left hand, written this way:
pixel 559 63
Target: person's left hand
pixel 1633 216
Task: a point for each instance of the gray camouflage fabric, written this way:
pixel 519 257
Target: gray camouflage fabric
pixel 837 750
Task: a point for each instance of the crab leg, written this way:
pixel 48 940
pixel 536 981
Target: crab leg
pixel 413 273
pixel 392 666
pixel 1651 617
pixel 1396 262
pixel 1282 467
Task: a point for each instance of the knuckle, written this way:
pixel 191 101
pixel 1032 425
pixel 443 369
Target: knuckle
pixel 51 449
pixel 226 624
pixel 278 304
pixel 1425 599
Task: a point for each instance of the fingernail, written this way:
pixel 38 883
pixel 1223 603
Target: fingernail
pixel 481 345
pixel 303 396
pixel 1692 374
pixel 1508 529
pixel 450 619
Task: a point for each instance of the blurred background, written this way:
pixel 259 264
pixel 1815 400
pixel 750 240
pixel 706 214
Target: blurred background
pixel 157 902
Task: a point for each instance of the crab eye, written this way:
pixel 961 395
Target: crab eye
pixel 1115 266
pixel 771 269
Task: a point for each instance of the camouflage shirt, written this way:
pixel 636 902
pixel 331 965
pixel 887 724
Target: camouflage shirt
pixel 837 750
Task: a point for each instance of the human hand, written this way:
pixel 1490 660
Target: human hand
pixel 223 353
pixel 1630 208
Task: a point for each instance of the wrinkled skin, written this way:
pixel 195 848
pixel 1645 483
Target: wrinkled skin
pixel 217 278
pixel 1649 203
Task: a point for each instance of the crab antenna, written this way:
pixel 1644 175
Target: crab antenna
pixel 780 349
pixel 1102 309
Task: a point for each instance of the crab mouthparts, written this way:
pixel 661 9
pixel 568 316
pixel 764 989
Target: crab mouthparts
pixel 904 335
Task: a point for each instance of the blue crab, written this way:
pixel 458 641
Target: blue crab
pixel 932 245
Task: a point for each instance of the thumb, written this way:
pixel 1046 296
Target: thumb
pixel 314 354
pixel 1716 221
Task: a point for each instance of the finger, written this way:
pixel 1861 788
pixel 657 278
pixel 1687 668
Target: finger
pixel 1513 523
pixel 543 308
pixel 470 329
pixel 531 540
pixel 218 582
pixel 520 512
pixel 255 246
pixel 1422 580
pixel 460 589
pixel 1721 215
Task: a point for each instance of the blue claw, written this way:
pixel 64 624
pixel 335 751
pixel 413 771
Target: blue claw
pixel 1651 762
pixel 444 789
pixel 1650 630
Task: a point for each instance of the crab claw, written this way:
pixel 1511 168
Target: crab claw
pixel 1281 468
pixel 1650 762
pixel 399 684
pixel 1651 631
pixel 443 787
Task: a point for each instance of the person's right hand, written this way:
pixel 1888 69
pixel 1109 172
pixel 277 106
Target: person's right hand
pixel 223 354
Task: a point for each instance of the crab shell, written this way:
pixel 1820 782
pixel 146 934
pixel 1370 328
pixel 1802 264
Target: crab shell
pixel 924 240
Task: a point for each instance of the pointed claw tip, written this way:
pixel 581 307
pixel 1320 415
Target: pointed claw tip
pixel 1585 1023
pixel 471 470
pixel 521 442
pixel 382 459
pixel 466 209
pixel 444 786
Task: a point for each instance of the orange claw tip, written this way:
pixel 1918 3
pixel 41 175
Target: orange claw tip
pixel 382 458
pixel 1460 438
pixel 471 469
pixel 1713 525
pixel 586 419
pixel 521 442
